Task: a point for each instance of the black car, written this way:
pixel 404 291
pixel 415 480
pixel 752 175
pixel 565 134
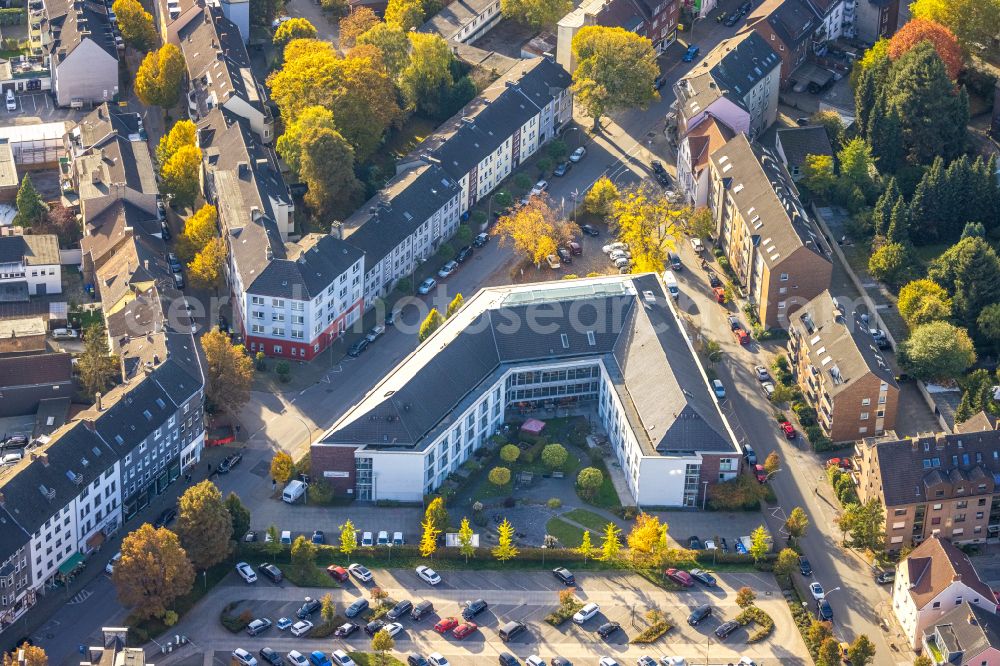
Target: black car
pixel 229 462
pixel 732 19
pixel 561 169
pixel 661 174
pixel 165 230
pixel 168 516
pixel 345 630
pixel 474 608
pixel 699 614
pixel 560 661
pixel 464 254
pixel 823 610
pixel 607 629
pixel 507 659
pixel 725 546
pixel 589 230
pixel 271 656
pixel 805 568
pixel 703 577
pixel 374 627
pixel 714 280
pixel 745 8
pixel 565 575
pixel 358 347
pixel 399 610
pixel 308 608
pixel 358 607
pixel 726 628
pixel 272 572
pixel 660 82
pixel 416 660
pixel 481 240
pixel 694 543
pixel 564 255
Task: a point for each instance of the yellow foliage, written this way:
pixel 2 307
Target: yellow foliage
pixel 647 222
pixel 535 230
pixel 205 270
pixel 180 175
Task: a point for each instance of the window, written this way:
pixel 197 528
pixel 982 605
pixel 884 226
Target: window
pixel 866 401
pixel 864 416
pixel 863 430
pixel 257 300
pixel 783 277
pixel 936 604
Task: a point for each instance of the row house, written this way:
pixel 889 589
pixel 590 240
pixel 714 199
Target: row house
pixel 614 342
pixel 29 266
pixel 173 16
pixel 464 21
pixel 83 48
pixel 773 247
pixel 656 20
pixel 966 635
pixel 933 485
pixel 841 371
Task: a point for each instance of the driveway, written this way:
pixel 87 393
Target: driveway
pixel 526 597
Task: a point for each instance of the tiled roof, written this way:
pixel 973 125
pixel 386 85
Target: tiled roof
pixel 967 630
pixel 111 163
pixel 798 142
pixel 104 121
pixel 41 250
pixel 455 16
pixel 981 420
pixel 935 565
pixel 794 21
pixel 106 230
pixel 73 21
pixel 737 64
pixel 707 137
pixel 20 371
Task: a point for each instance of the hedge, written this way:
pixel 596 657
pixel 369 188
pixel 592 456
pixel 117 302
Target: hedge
pixel 11 17
pixel 564 612
pixel 764 622
pixel 652 633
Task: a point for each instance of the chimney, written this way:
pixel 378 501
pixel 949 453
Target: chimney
pixel 97 401
pixel 337 230
pixel 3 500
pixel 44 457
pixel 957 577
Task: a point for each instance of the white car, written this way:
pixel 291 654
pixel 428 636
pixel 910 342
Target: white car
pixel 585 613
pixel 296 658
pixel 817 591
pixel 246 572
pixel 64 334
pixel 437 659
pixel 360 572
pixel 607 661
pixel 619 253
pixel 578 154
pixel 539 187
pixel 427 285
pixel 340 658
pixel 608 249
pixel 534 660
pixel 383 538
pixel 301 627
pixel 244 657
pixel 746 661
pixel 11 101
pixel 697 245
pixel 109 568
pixel 428 575
pixel 397 539
pixel 448 269
pixel 673 661
pixel 374 334
pixel 367 540
pixel 393 628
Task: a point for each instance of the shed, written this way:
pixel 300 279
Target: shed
pixel 533 427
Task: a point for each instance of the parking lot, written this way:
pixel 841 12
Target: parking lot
pixel 525 597
pixel 41 105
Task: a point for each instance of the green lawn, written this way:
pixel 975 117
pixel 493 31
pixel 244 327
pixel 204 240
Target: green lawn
pixel 588 519
pixel 365 659
pixel 928 253
pixel 309 577
pixel 606 496
pixel 570 536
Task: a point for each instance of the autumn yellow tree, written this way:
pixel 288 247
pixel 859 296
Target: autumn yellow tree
pixel 229 372
pixel 358 22
pixel 205 270
pixel 600 198
pixel 135 23
pixel 294 28
pixel 535 230
pixel 289 144
pixel 199 230
pixel 392 43
pixel 282 467
pixel 180 135
pixel 204 525
pixel 179 176
pixel 646 221
pixel 428 538
pixel 33 656
pixel 647 540
pixel 159 77
pixel 407 14
pixel 153 571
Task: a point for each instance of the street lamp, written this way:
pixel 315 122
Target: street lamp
pixel 770 474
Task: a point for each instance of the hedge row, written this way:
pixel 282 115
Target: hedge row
pixel 756 616
pixel 11 16
pixel 652 633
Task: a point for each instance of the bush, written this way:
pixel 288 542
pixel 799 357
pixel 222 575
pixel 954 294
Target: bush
pixel 405 285
pixel 739 494
pixel 554 503
pixel 652 633
pixel 566 609
pixel 320 492
pixel 755 616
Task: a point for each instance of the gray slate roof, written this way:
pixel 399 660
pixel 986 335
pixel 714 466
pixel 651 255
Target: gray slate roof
pixel 636 336
pixel 737 64
pixel 73 21
pixel 967 630
pixel 42 250
pixel 454 17
pixel 798 142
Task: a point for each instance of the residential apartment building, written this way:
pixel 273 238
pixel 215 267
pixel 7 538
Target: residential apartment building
pixel 613 344
pixel 693 152
pixel 83 48
pixel 464 21
pixel 840 370
pixel 220 75
pixel 16 593
pixel 933 485
pixel 876 19
pixel 29 266
pixel 173 16
pixel 114 650
pixel 654 19
pixel 932 581
pixel 836 18
pixel 789 27
pixel 966 635
pixel 763 229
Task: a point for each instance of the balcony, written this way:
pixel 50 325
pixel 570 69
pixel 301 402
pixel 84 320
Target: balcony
pixel 933 651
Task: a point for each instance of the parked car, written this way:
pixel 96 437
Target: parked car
pixel 318 537
pixel 464 254
pixel 283 623
pixel 448 269
pixel 589 230
pixel 611 247
pixel 539 187
pixel 562 169
pixel 703 577
pixel 742 336
pixel 564 255
pixel 750 455
pixel 680 577
pixel 246 572
pixel 719 389
pixel 691 53
pixel 732 19
pixel 726 628
pixel 358 347
pixel 607 629
pixel 474 608
pixel 805 568
pixel 301 628
pixel 587 612
pixel 399 610
pixel 367 540
pixel 577 154
pixel 375 333
pixel 308 607
pixel 788 430
pixel 464 629
pixel 824 611
pixel 374 627
pixel 244 657
pixel 272 572
pixel 258 626
pixel 174 262
pixel 337 573
pixel 168 516
pixel 345 630
pixel 427 286
pixel 816 590
pixel 341 658
pixel 699 614
pixel 553 261
pixel 884 577
pixel 420 610
pixel 271 656
pixel 481 240
pixel 564 575
pixel 360 572
pixel 575 248
pixel 318 658
pixel 428 575
pixel 697 245
pixel 759 473
pixel 393 628
pixel 714 281
pixel 446 624
pixel 415 659
pixel 383 538
pixel 661 175
pixel 438 659
pixel 694 543
pixel 762 374
pixel 397 539
pixel 296 658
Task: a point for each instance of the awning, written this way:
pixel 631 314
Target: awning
pixel 95 540
pixel 67 567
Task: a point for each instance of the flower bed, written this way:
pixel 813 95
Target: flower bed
pixel 755 616
pixel 565 611
pixel 652 633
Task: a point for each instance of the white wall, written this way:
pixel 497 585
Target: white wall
pixel 397 475
pixel 99 506
pixel 53 543
pixel 661 480
pixel 89 73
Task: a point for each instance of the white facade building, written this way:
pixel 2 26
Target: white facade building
pixel 30 265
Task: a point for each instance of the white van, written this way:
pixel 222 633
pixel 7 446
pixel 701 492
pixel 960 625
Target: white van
pixel 671 282
pixel 293 491
pixel 11 101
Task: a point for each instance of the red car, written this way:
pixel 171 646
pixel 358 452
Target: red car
pixel 680 577
pixel 464 629
pixel 720 294
pixel 337 573
pixel 843 463
pixel 445 625
pixel 741 336
pixel 758 471
pixel 788 429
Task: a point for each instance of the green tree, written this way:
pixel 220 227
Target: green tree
pixel 327 168
pixel 437 513
pixel 407 15
pixel 499 476
pixel 861 652
pixel 454 306
pixel 294 28
pixel 974 23
pixel 857 165
pixel 392 43
pixel 510 453
pixel 700 223
pixel 96 365
pixel 586 548
pixel 923 660
pixel 745 597
pixel 428 538
pixel 611 547
pixel 31 208
pixel 465 535
pixel 153 571
pixel 348 538
pixel 430 324
pixel 832 123
pixel 426 79
pixel 554 456
pixel 204 525
pixel 818 175
pixel 536 13
pixel 615 70
pixel 311 119
pixel 786 563
pixel 328 611
pixel 505 548
pixel 889 262
pixel 970 272
pixel 262 12
pixel 600 198
pixel 923 301
pixel 282 467
pixel 760 544
pixel 899 224
pixel 797 523
pixel 938 351
pixel 988 324
pixel 303 552
pixel 272 544
pixel 228 372
pixel 863 525
pixel 135 23
pixel 589 480
pixel 239 515
pixel 882 213
pixel 159 77
pixel 180 175
pixel 382 644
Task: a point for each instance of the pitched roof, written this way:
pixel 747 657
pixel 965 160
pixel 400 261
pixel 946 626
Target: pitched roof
pixel 111 163
pixel 104 121
pixel 934 565
pixel 797 142
pixel 967 630
pixel 71 22
pixel 767 199
pixel 31 250
pixel 737 64
pixel 705 138
pixel 624 323
pixel 454 17
pixel 839 343
pixel 21 371
pixel 106 230
pixel 793 21
pixel 981 420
